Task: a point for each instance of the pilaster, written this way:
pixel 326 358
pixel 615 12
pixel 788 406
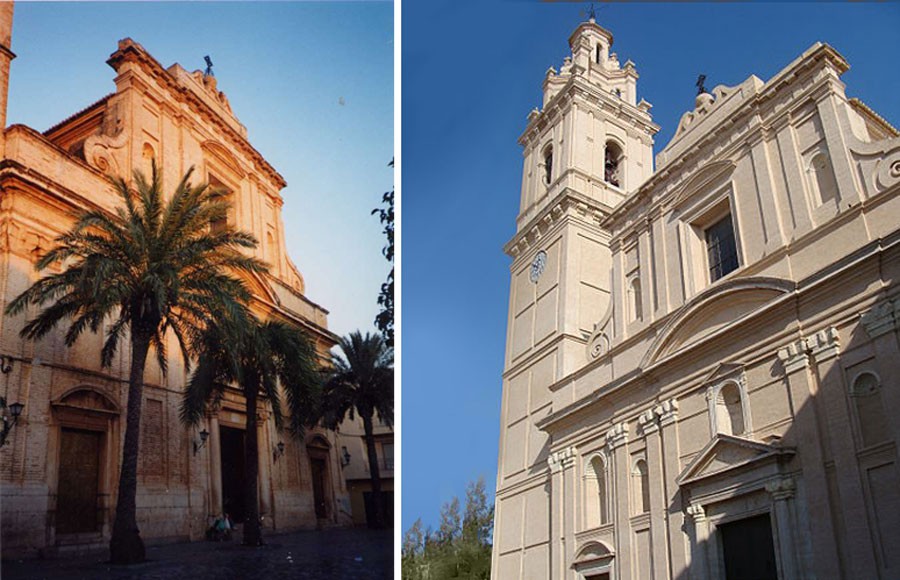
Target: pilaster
pixel 807 412
pixel 649 425
pixel 215 467
pixel 782 492
pixel 699 542
pixel 265 452
pixel 558 462
pixel 881 324
pixel 824 348
pixel 667 412
pixel 617 440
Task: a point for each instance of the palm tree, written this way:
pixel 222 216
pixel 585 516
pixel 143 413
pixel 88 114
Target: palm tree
pixel 361 381
pixel 257 358
pixel 151 267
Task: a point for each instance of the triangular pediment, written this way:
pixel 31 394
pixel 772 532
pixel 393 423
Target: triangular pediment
pixel 726 453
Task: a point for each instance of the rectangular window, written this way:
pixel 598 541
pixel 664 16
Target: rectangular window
pixel 721 250
pixel 387 449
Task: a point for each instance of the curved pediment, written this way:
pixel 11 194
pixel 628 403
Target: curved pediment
pixel 711 310
pixel 592 552
pixel 715 172
pixel 88 399
pixel 225 157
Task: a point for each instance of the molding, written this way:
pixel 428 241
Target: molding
pixel 617 436
pixel 881 319
pixel 562 459
pixel 794 357
pixel 825 344
pixel 781 489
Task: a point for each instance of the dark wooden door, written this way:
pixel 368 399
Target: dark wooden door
pixel 232 443
pixel 748 549
pixel 79 481
pixel 318 481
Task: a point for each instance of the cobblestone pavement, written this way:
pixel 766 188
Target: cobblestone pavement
pixel 341 553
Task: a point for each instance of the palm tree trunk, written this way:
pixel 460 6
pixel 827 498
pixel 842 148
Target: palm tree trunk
pixel 374 472
pixel 252 531
pixel 126 546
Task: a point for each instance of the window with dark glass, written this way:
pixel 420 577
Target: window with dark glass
pixel 721 250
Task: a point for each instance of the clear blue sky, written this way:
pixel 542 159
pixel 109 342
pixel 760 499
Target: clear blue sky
pixel 286 67
pixel 471 74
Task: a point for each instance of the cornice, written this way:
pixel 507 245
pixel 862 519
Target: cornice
pixel 130 51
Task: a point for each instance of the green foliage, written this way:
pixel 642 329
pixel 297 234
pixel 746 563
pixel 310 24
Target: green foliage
pixel 461 547
pixel 256 356
pixel 152 266
pixel 385 319
pixel 360 381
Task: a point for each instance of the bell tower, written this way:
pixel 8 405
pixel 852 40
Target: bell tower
pixel 587 147
pixel 6 56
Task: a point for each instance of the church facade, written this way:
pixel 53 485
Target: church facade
pixel 702 362
pixel 59 467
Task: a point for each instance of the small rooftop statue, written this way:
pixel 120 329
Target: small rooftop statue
pixel 209 65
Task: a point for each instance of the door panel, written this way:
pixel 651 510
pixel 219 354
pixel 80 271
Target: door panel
pixel 79 480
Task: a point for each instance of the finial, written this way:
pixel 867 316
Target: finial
pixel 209 65
pixel 700 88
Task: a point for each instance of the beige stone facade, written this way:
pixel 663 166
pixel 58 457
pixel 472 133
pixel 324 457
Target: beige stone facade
pixel 351 438
pixel 702 359
pixel 72 404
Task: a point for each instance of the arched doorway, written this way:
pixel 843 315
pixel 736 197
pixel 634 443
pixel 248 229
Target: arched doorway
pixel 86 437
pixel 318 451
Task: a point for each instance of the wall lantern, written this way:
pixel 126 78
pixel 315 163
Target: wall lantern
pixel 9 419
pixel 5 364
pixel 345 456
pixel 204 435
pixel 279 451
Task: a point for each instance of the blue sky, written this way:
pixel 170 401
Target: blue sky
pixel 286 67
pixel 471 74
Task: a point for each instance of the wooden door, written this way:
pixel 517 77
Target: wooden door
pixel 79 480
pixel 748 549
pixel 318 481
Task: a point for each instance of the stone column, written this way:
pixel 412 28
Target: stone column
pixel 557 513
pixel 617 439
pixel 824 348
pixel 570 502
pixel 265 462
pixel 781 491
pixel 825 558
pixel 668 419
pixel 882 323
pixel 650 428
pixel 699 541
pixel 215 467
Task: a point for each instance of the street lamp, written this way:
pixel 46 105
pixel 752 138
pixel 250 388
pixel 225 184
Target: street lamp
pixel 278 452
pixel 345 456
pixel 10 420
pixel 204 435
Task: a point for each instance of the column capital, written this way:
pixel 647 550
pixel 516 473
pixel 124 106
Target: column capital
pixel 794 356
pixel 562 459
pixel 667 411
pixel 781 489
pixel 696 511
pixel 882 318
pixel 618 435
pixel 825 344
pixel 647 422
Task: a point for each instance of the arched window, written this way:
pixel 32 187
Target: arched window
pixel 822 177
pixel 865 393
pixel 729 410
pixel 597 54
pixel 641 487
pixel 612 169
pixel 595 489
pixel 147 155
pixel 635 304
pixel 548 164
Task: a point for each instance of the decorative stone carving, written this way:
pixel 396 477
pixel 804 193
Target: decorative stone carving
pixel 562 459
pixel 781 489
pixel 825 344
pixel 102 149
pixel 618 435
pixel 667 412
pixel 647 422
pixel 794 356
pixel 884 317
pixel 696 512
